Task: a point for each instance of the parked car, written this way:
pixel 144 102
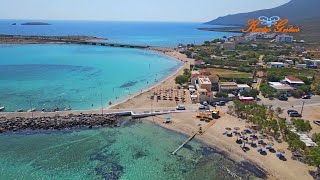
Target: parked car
pixel 291 111
pixel 205 103
pixel 204 108
pixel 180 108
pixel 306 97
pixel 295 114
pixel 283 98
pixel 214 104
pixel 222 103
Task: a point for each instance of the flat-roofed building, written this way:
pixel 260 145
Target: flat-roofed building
pixel 228 46
pixel 243 87
pixel 228 86
pixel 276 65
pixel 284 38
pixel 279 87
pixel 205 83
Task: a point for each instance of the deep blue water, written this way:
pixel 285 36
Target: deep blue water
pixel 143 33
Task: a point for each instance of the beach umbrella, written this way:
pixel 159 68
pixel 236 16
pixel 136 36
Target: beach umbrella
pixel 228 129
pixel 270 138
pixel 270 144
pixel 236 128
pixel 168 118
pixel 254 131
pixel 247 126
pixel 262 137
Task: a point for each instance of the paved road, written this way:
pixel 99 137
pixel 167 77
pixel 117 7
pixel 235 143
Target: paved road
pixel 315 100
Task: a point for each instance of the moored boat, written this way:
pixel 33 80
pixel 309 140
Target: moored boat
pixel 20 110
pixel 2 108
pixel 32 110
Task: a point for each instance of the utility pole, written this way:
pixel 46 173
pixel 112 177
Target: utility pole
pixel 101 103
pixel 30 104
pixel 302 107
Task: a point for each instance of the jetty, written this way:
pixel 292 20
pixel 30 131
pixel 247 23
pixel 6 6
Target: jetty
pixel 200 132
pixel 184 143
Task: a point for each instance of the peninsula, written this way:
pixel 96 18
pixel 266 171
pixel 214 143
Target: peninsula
pixel 35 23
pixel 20 39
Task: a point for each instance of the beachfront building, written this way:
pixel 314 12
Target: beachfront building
pixel 228 46
pixel 204 95
pixel 282 88
pixel 276 65
pixel 199 63
pixel 205 83
pixel 228 87
pixel 194 77
pixel 284 38
pixel 293 81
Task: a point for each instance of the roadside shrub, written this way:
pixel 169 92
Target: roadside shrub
pixel 302 125
pixel 221 95
pixel 297 93
pixel 250 93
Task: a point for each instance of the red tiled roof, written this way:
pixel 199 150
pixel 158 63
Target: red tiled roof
pixel 195 75
pixel 209 93
pixel 291 78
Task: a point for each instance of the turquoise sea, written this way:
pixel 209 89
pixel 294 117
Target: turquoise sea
pixel 50 76
pixel 136 151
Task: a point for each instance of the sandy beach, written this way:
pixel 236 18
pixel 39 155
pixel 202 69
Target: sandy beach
pixel 139 100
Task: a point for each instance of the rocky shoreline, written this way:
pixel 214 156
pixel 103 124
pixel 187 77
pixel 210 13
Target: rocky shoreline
pixel 57 122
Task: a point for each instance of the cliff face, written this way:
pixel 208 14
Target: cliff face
pixel 295 10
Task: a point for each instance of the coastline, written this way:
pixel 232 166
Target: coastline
pixel 270 164
pixel 185 123
pixel 141 97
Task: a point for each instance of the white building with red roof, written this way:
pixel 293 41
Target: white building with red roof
pixel 293 81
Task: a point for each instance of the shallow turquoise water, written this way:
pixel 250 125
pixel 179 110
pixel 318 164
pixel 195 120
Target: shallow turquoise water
pixel 134 151
pixel 50 76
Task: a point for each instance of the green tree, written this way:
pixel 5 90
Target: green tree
pixel 294 141
pixel 250 93
pixel 181 79
pixel 313 156
pixel 302 125
pixel 305 89
pixel 282 124
pixel 297 93
pixel 316 137
pixel 221 94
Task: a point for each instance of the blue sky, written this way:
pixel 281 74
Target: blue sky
pixel 129 10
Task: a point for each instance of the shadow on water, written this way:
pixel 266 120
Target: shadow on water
pixel 128 84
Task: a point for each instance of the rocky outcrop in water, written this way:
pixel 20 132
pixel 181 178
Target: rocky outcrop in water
pixel 56 123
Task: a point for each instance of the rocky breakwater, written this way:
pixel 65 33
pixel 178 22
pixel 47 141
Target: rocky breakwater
pixel 57 122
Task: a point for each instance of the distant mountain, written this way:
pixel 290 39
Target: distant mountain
pixel 302 13
pixel 295 10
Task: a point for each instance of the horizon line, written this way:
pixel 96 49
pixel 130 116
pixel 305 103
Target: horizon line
pixel 98 20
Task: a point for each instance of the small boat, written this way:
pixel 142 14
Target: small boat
pixel 68 108
pixel 2 108
pixel 20 110
pixel 32 110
